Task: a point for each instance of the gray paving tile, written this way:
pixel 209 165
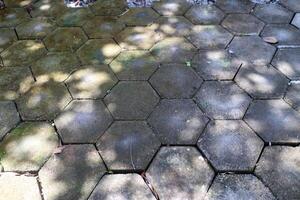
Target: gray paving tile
pixel 291 4
pixel 171 7
pixel 139 16
pixel 9 117
pixel 293 96
pixel 296 20
pixel 173 26
pixel 108 7
pixel 8 36
pixel 238 6
pixel 204 14
pixel 11 17
pixel 74 17
pixel 48 8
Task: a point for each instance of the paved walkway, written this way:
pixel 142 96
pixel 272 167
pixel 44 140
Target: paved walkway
pixel 173 102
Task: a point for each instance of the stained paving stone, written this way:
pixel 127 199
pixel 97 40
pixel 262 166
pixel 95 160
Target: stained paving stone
pixel 171 7
pixel 273 13
pixel 18 3
pixel 35 28
pixel 19 187
pixel 279 169
pixel 128 145
pixel 55 66
pixel 286 34
pixel 91 82
pixel 137 38
pixel 131 100
pixel 291 4
pixel 134 65
pixel 7 37
pixel 296 20
pixel 181 165
pixel 65 39
pixel 74 17
pixel 174 26
pixel 262 81
pixel 43 101
pixel 230 145
pixel 14 82
pixel 293 96
pixel 48 8
pixel 98 51
pixel 108 7
pixel 243 24
pixel 173 49
pixel 121 187
pixel 103 27
pixel 238 6
pixel 287 61
pixel 205 14
pixel 71 174
pixel 178 121
pixel 28 146
pixel 257 52
pixel 175 81
pixel 22 53
pixel 216 64
pixel 139 17
pixel 11 17
pixel 274 120
pixel 238 186
pixel 209 37
pixel 222 100
pixel 9 117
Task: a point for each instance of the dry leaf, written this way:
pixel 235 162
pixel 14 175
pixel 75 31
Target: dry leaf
pixel 271 40
pixel 59 150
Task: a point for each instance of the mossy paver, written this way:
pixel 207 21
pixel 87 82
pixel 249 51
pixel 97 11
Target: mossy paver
pixel 293 96
pixel 43 101
pixel 91 81
pixel 98 51
pixel 134 65
pixel 173 26
pixel 47 8
pixel 139 17
pixel 279 169
pixel 9 117
pixel 129 186
pixel 216 64
pixel 238 186
pixel 230 145
pixel 204 14
pixel 108 7
pixel 178 122
pixel 291 4
pixel 28 146
pixel 181 165
pixel 18 3
pixel 83 121
pixel 274 120
pixel 128 145
pixel 238 6
pixel 130 100
pixel 176 81
pixel 7 37
pixel 23 53
pixel 11 17
pixel 19 187
pixel 74 17
pixel 71 174
pixel 171 7
pixel 296 20
pixel 273 13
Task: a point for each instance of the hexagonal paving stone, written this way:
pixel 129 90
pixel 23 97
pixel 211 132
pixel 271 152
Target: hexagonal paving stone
pixel 291 4
pixel 237 6
pixel 175 81
pixel 14 82
pixel 131 100
pixel 7 37
pixel 273 13
pixel 216 65
pixel 19 187
pixel 274 120
pixel 23 53
pixel 286 34
pixel 28 146
pixel 9 117
pixel 35 28
pixel 43 101
pixel 10 17
pixel 83 121
pixel 205 14
pixel 173 26
pixel 181 165
pixel 209 37
pixel 293 96
pixel 134 65
pixel 178 121
pixel 139 17
pixel 18 3
pixel 252 49
pixel 65 39
pixel 262 81
pixel 71 174
pixel 74 17
pixel 296 20
pixel 128 145
pixel 103 27
pixel 238 186
pixel 48 8
pixel 108 7
pixel 230 145
pixel 98 51
pixel 287 61
pixel 133 38
pixel 222 100
pixel 91 82
pixel 174 49
pixel 171 7
pixel 243 24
